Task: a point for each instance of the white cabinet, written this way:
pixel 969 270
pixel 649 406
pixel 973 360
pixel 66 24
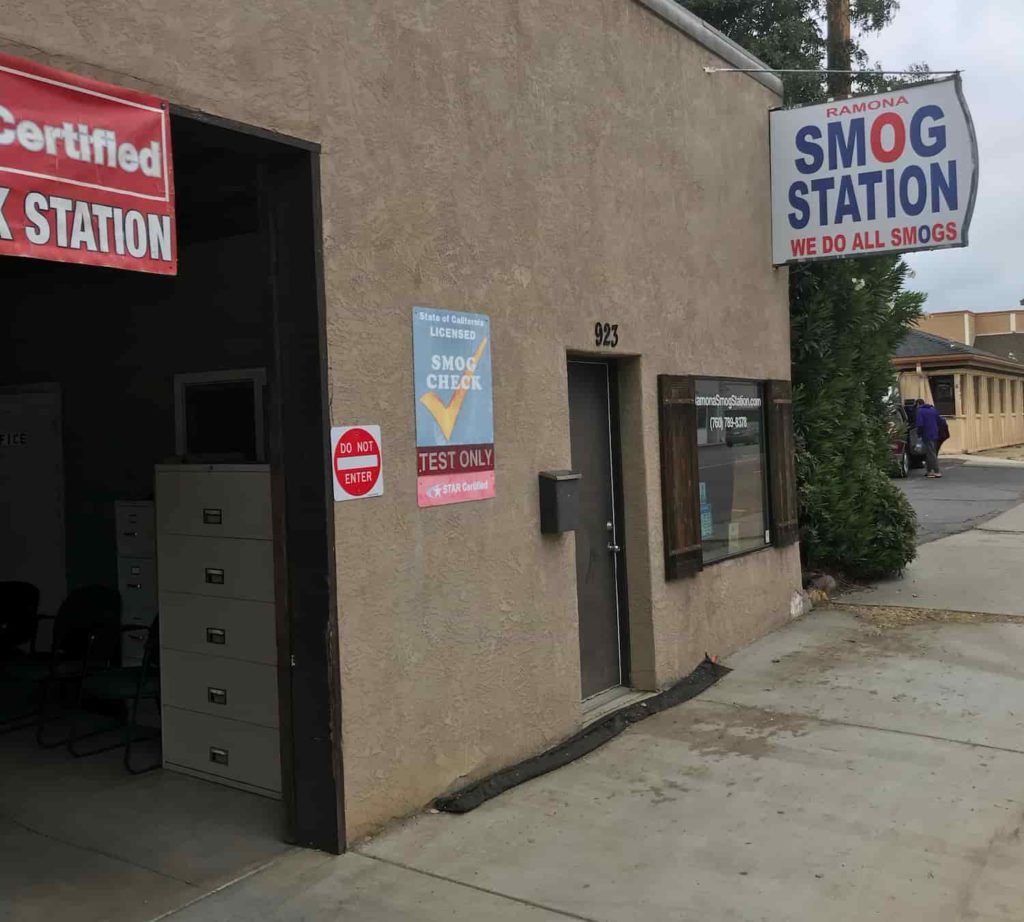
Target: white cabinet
pixel 218 647
pixel 229 628
pixel 220 749
pixel 136 573
pixel 135 531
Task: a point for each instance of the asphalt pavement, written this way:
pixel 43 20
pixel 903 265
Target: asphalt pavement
pixel 967 495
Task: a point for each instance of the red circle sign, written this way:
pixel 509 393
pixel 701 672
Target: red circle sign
pixel 357 462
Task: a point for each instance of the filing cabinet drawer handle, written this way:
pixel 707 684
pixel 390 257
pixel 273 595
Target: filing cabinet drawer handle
pixel 218 755
pixel 217 695
pixel 215 576
pixel 213 516
pixel 130 534
pixel 216 635
pixel 133 585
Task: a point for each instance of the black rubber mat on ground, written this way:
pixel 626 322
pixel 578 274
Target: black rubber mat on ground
pixel 587 740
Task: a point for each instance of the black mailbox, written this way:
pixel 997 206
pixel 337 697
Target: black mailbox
pixel 559 501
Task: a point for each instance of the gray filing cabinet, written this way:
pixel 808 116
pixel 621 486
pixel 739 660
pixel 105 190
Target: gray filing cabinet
pixel 136 573
pixel 218 644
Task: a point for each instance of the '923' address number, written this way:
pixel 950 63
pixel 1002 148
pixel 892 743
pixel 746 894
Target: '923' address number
pixel 606 334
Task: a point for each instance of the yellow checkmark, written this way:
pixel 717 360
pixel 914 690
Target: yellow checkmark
pixel 447 414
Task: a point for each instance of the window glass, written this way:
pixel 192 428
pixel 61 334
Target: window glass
pixel 731 465
pixel 991 394
pixel 977 394
pixel 943 394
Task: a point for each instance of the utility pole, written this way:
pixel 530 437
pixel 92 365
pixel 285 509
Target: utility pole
pixel 839 84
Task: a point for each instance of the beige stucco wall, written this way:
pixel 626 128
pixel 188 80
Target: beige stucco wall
pixel 1000 422
pixel 963 326
pixel 995 322
pixel 548 164
pixel 958 326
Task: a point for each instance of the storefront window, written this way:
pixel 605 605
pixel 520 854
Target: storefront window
pixel 943 394
pixel 991 394
pixel 977 394
pixel 731 466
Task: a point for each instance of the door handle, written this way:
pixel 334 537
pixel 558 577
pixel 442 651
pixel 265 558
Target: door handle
pixel 614 548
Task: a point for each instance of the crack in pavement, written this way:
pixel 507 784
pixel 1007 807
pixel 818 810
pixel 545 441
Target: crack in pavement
pixel 565 914
pixel 858 726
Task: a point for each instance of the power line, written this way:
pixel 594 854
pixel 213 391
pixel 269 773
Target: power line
pixel 796 70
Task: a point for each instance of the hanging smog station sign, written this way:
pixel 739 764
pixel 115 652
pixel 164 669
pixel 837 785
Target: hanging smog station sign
pixel 454 407
pixel 887 173
pixel 85 171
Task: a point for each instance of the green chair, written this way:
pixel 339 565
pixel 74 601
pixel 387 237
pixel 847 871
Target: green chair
pixel 86 635
pixel 123 687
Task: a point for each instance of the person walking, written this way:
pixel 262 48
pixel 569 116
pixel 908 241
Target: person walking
pixel 930 424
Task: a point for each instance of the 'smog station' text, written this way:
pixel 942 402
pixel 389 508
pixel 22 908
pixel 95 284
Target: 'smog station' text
pixel 885 173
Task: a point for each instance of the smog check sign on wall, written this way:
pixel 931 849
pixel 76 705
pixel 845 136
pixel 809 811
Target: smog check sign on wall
pixel 356 462
pixel 887 173
pixel 85 171
pixel 454 406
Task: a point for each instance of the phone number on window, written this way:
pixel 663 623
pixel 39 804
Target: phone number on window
pixel 728 422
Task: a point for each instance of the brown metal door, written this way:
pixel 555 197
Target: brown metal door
pixel 597 550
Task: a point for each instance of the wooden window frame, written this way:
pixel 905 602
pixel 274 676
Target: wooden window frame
pixel 783 496
pixel 680 471
pixel 680 493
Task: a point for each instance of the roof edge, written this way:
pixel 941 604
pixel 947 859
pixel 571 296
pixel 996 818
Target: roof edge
pixel 966 310
pixel 958 359
pixel 708 36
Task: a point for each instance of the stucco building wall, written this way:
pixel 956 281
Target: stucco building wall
pixel 958 326
pixel 551 165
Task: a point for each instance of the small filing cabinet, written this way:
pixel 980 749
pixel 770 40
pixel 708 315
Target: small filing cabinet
pixel 136 573
pixel 218 647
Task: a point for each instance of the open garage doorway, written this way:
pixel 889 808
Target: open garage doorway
pixel 187 430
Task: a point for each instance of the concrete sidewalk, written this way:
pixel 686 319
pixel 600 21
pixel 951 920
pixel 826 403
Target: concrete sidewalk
pixel 846 770
pixel 981 570
pixel 985 459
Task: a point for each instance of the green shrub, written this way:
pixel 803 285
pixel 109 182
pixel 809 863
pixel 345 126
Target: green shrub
pixel 847 318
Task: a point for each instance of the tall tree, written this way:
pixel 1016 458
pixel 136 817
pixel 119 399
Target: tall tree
pixel 847 316
pixel 839 80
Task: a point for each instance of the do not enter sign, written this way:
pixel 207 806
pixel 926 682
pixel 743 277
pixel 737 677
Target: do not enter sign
pixel 356 462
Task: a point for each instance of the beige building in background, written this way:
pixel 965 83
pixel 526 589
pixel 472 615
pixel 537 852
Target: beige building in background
pixel 558 167
pixel 997 332
pixel 967 364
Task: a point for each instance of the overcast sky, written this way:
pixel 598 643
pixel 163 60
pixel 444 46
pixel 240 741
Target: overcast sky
pixel 984 39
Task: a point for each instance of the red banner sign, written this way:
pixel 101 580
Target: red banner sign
pixel 85 171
